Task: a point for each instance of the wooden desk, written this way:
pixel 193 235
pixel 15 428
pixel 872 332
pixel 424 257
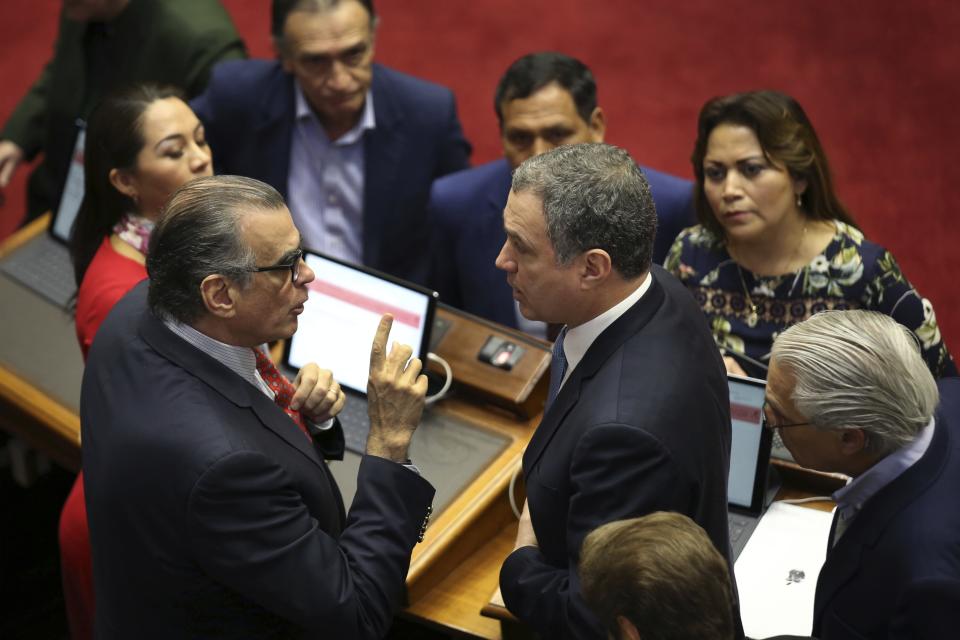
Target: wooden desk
pixel 448 549
pixel 461 591
pixel 28 411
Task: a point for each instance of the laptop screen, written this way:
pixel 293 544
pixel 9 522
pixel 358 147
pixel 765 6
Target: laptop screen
pixel 72 194
pixel 341 315
pixel 750 446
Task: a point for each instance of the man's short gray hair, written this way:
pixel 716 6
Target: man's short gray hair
pixel 594 197
pixel 199 234
pixel 859 370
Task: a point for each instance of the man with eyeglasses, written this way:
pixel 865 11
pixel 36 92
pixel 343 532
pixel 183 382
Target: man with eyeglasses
pixel 212 512
pixel 850 393
pixel 352 145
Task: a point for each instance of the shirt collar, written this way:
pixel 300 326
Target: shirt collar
pixel 368 121
pixel 578 339
pixel 241 360
pixel 851 498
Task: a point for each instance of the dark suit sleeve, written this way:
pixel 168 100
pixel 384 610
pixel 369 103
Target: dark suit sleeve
pixel 252 532
pixel 927 610
pixel 617 472
pixel 221 46
pixel 220 124
pixel 26 125
pixel 443 276
pixel 453 149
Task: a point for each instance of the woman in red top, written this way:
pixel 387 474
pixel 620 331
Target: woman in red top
pixel 142 144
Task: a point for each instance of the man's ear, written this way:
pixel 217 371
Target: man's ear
pixel 595 268
pixel 219 296
pixel 627 630
pixel 124 182
pixel 852 441
pixel 598 124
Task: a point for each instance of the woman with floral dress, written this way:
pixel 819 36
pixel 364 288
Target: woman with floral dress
pixel 774 245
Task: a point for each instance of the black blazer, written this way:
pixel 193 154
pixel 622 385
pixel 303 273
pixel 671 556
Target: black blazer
pixel 895 572
pixel 248 111
pixel 211 515
pixel 641 425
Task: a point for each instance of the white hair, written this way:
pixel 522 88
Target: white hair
pixel 859 370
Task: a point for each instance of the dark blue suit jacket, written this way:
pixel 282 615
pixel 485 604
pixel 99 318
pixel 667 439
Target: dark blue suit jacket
pixel 466 218
pixel 642 424
pixel 248 112
pixel 895 572
pixel 211 514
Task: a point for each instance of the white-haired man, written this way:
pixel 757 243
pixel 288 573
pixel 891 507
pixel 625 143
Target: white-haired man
pixel 849 393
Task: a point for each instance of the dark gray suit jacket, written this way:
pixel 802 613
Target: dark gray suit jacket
pixel 212 515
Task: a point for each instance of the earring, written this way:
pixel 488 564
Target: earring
pixel 799 201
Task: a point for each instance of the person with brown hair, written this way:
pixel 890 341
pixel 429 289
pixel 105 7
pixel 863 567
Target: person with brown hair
pixel 656 577
pixel 775 245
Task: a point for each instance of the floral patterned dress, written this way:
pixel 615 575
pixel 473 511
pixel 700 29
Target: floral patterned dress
pixel 851 273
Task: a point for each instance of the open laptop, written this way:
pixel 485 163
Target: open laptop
pixel 339 321
pixel 43 265
pixel 747 486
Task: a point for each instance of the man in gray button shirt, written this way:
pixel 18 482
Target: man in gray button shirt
pixel 353 145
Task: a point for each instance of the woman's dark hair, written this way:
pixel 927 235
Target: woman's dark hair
pixel 786 137
pixel 114 138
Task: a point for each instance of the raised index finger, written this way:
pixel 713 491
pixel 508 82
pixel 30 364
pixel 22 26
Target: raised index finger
pixel 379 349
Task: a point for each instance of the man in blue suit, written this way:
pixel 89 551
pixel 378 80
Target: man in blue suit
pixel 352 145
pixel 544 100
pixel 851 394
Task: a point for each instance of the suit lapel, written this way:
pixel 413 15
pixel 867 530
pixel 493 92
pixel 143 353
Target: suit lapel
pixel 606 344
pixel 274 129
pixel 225 382
pixel 844 559
pixel 382 151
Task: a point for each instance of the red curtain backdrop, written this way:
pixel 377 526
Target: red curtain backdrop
pixel 879 80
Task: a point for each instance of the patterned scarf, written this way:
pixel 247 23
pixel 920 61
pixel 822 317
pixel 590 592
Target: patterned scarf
pixel 135 231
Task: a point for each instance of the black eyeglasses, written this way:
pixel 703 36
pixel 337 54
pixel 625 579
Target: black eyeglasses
pixel 293 266
pixel 769 425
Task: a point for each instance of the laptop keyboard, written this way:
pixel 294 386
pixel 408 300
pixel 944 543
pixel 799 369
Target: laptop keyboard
pixel 737 525
pixel 43 266
pixel 355 423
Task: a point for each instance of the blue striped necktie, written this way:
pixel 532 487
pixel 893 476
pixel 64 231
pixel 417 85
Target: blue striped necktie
pixel 558 368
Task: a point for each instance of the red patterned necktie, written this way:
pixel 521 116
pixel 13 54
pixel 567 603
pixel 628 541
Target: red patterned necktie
pixel 281 387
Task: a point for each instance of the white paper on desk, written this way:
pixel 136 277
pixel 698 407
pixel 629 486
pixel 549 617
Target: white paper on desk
pixel 774 599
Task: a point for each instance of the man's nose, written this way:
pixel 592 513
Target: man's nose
pixel 340 78
pixel 307 275
pixel 540 146
pixel 504 261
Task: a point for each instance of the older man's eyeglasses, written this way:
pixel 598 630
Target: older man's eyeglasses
pixel 783 425
pixel 293 265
